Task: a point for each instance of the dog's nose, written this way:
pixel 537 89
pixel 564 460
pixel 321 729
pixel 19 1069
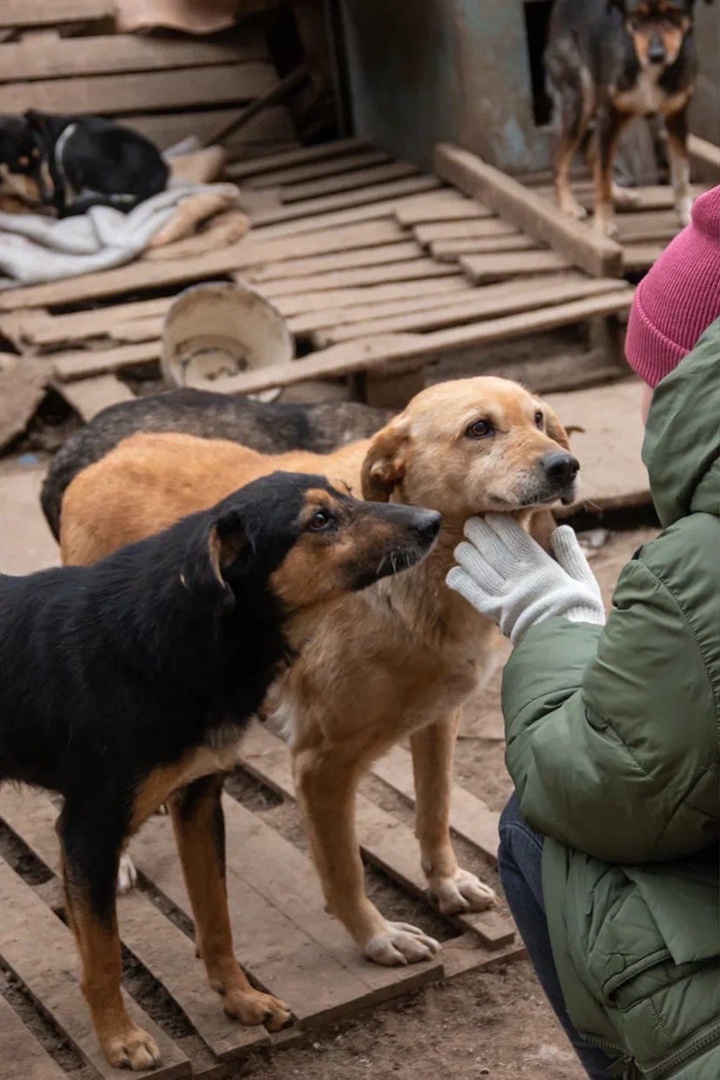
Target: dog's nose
pixel 656 53
pixel 427 524
pixel 560 468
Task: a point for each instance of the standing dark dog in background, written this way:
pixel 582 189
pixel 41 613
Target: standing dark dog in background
pixel 610 61
pixel 129 683
pixel 71 163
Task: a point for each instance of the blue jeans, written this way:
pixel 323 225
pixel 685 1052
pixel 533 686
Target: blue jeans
pixel 519 863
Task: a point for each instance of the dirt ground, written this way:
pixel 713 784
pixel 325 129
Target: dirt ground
pixel 494 1025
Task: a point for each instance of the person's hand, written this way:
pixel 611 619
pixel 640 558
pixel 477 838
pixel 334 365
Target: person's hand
pixel 507 576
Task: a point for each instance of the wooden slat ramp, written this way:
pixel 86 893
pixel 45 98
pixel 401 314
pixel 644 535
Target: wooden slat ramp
pixel 377 267
pixel 286 941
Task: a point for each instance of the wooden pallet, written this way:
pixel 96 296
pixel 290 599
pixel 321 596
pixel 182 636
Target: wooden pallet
pixel 377 267
pixel 62 56
pixel 284 937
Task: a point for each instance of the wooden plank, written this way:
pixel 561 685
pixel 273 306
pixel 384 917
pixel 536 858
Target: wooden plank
pixel 640 257
pixel 18 13
pixel 301 156
pixel 22 1055
pixel 334 220
pixel 383 838
pixel 89 396
pixel 447 205
pixel 40 952
pixel 463 229
pixel 316 170
pixel 490 302
pixel 599 256
pixel 309 321
pixel 309 303
pixel 24 61
pixel 166 952
pixel 319 264
pixel 451 250
pixel 272 948
pixel 287 879
pixel 348 181
pixel 647 197
pixel 151 90
pixel 704 151
pixel 87 363
pixel 647 226
pixel 378 193
pixel 271 126
pixel 366 275
pixel 250 251
pixel 391 352
pixel 505 264
pixel 83 325
pixel 470 817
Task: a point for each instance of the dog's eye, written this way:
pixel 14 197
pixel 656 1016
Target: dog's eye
pixel 479 429
pixel 320 520
pixel 539 419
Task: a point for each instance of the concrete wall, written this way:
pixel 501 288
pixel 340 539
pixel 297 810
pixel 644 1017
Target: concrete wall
pixel 427 70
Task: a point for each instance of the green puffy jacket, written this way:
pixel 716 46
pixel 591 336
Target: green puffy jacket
pixel 613 742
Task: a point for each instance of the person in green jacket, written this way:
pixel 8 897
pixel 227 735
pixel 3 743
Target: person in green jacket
pixel 609 845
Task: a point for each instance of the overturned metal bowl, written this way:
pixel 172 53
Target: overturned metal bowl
pixel 216 331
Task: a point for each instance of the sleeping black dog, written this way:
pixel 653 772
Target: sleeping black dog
pixel 128 683
pixel 71 163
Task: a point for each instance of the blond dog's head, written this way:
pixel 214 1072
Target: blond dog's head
pixel 470 446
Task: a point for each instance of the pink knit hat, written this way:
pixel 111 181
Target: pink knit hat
pixel 680 296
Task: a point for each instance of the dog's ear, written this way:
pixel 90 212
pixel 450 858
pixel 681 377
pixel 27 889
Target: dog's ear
pixel 222 543
pixel 386 460
pixel 555 429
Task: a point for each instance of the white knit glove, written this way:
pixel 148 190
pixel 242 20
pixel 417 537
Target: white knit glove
pixel 507 576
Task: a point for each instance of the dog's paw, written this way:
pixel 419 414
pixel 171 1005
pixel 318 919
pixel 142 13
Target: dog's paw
pixel 400 943
pixel 462 892
pixel 683 210
pixel 627 198
pixel 133 1049
pixel 252 1007
pixel 127 875
pixel 572 208
pixel 606 227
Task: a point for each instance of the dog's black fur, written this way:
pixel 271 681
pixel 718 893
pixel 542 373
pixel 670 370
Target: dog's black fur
pixel 267 428
pixel 610 60
pixel 113 672
pixel 77 162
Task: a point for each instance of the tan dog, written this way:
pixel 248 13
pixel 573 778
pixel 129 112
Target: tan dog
pixel 394 661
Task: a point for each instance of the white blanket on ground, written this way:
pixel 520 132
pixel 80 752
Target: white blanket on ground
pixel 35 248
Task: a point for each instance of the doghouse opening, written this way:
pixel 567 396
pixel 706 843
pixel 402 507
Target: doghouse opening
pixel 537 16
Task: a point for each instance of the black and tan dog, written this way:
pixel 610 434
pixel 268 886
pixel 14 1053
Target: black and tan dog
pixel 608 61
pixel 71 163
pixel 129 683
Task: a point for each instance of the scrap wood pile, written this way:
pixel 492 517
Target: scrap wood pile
pixel 374 264
pixel 64 56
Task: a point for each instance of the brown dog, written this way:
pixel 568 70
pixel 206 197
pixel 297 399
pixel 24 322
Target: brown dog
pixel 396 660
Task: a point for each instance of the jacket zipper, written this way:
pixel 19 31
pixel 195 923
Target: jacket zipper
pixel 668 1067
pixel 621 1058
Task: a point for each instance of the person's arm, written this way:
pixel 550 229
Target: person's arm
pixel 608 740
pixel 607 728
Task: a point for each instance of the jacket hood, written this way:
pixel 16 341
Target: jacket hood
pixel 681 450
